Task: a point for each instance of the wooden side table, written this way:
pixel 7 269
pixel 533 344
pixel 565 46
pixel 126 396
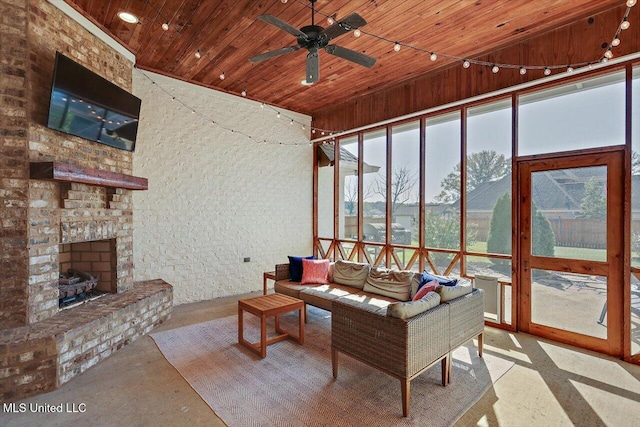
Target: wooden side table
pixel 267 306
pixel 266 276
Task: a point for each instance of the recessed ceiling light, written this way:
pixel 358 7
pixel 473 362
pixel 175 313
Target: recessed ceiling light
pixel 305 83
pixel 128 17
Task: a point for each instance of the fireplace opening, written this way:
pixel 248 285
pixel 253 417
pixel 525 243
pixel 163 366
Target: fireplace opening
pixel 87 271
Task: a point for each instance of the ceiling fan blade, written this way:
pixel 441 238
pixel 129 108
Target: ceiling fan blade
pixel 343 26
pixel 313 67
pixel 351 55
pixel 273 53
pixel 277 22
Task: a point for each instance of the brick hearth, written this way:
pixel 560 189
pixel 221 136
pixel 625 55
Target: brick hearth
pixel 42 356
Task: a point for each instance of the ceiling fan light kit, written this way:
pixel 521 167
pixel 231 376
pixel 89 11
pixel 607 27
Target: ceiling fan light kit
pixel 313 38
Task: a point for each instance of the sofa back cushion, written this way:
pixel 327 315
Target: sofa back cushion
pixel 447 293
pixel 350 273
pixel 391 283
pixel 405 310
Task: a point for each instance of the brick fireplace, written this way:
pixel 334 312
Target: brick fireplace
pixel 66 202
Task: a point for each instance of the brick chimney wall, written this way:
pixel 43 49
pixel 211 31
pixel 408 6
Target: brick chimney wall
pixel 37 215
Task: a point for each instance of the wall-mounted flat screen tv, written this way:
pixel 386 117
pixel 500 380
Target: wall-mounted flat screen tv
pixel 89 106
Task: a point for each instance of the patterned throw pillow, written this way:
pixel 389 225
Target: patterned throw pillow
pixel 315 271
pixel 426 288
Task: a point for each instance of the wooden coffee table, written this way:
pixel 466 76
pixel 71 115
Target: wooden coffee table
pixel 264 307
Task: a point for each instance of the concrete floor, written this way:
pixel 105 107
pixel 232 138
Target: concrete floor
pixel 550 385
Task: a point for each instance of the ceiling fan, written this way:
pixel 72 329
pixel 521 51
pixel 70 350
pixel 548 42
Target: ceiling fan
pixel 314 37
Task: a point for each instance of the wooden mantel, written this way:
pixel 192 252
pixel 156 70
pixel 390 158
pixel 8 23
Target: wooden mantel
pixel 63 172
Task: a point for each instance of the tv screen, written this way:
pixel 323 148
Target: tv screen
pixel 89 106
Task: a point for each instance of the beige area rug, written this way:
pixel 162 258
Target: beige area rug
pixel 293 385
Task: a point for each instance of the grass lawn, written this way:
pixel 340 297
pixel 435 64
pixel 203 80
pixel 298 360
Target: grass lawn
pixel 560 252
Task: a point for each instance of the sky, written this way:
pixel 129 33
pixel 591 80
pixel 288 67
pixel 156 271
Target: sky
pixel 589 114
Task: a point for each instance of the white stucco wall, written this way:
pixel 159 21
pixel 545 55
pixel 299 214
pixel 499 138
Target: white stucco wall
pixel 214 196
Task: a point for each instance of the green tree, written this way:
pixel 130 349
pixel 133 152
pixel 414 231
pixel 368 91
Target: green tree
pixel 544 239
pixel 443 232
pixel 483 166
pixel 499 239
pixel 594 201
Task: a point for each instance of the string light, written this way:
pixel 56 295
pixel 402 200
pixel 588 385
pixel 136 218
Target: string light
pixel 213 122
pixel 466 63
pixel 278 114
pixel 625 24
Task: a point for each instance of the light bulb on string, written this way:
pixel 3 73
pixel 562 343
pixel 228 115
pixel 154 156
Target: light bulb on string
pixel 222 76
pixel 165 26
pixel 523 71
pixel 433 56
pixel 244 92
pixel 291 122
pixel 631 3
pixel 547 71
pixel 466 64
pixel 278 114
pixel 495 69
pixel 331 20
pixel 396 47
pixel 262 105
pixel 615 42
pixel 608 54
pixel 569 69
pixel 625 24
pixel 284 2
pixel 357 32
pixel 198 54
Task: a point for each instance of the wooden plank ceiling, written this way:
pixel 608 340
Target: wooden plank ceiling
pixel 228 34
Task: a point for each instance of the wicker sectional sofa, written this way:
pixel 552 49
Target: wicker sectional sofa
pixel 363 327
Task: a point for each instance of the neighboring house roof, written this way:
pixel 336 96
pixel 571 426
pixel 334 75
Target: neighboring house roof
pixel 553 190
pixel 407 210
pixel 347 159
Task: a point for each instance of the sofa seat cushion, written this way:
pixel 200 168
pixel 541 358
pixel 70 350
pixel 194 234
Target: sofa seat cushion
pixel 448 293
pixel 407 309
pixel 290 288
pixel 390 283
pixel 323 296
pixel 350 273
pixel 368 302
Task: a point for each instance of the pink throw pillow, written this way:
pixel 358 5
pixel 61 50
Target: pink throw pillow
pixel 426 288
pixel 315 271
